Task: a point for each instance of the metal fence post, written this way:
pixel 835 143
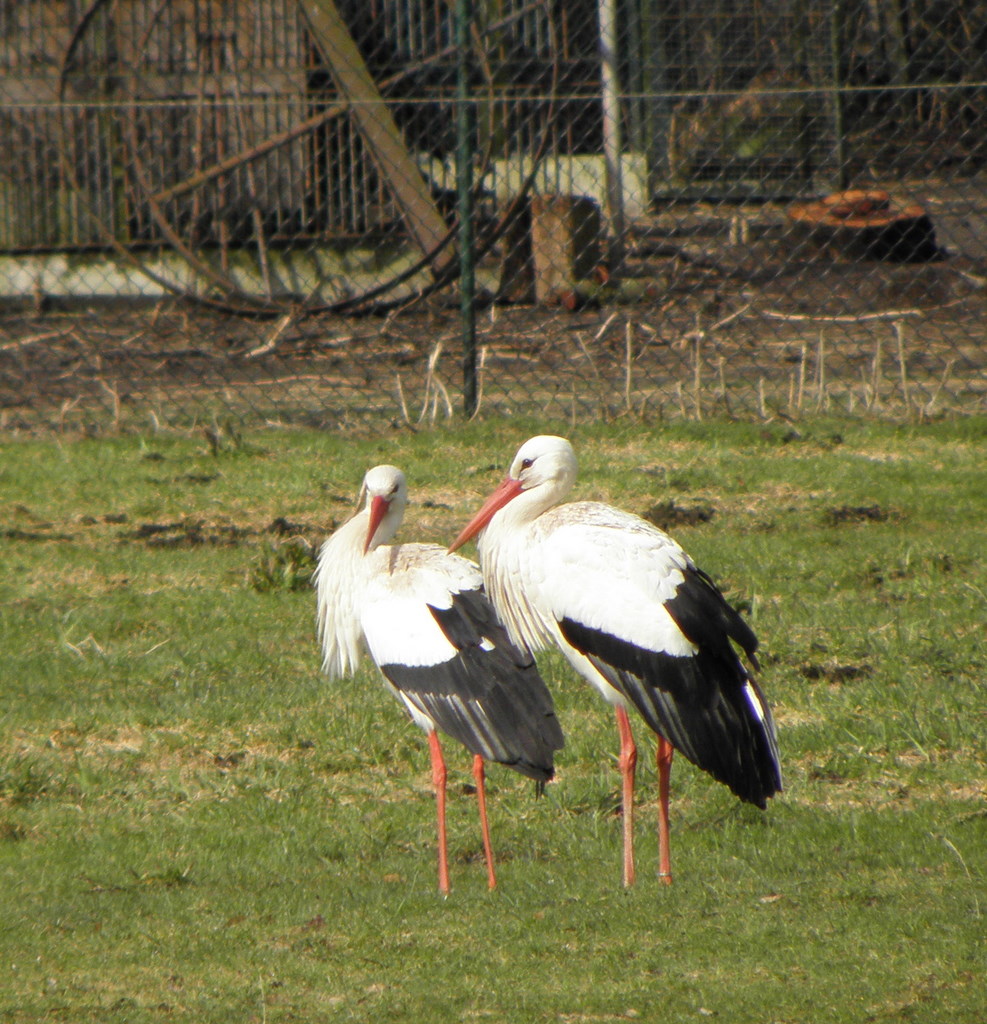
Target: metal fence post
pixel 464 205
pixel 612 145
pixel 836 45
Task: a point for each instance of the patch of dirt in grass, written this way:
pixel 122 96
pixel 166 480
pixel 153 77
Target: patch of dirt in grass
pixel 125 740
pixel 45 534
pixel 890 783
pixel 973 794
pixel 834 792
pixel 789 718
pixel 920 992
pixel 24 525
pixel 834 672
pixel 878 576
pixel 762 508
pixel 668 514
pixel 169 755
pixel 847 514
pixel 596 1018
pixel 12 833
pixel 186 533
pixel 191 531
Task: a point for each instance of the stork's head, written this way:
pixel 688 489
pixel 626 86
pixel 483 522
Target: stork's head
pixel 543 471
pixel 384 494
pixel 545 461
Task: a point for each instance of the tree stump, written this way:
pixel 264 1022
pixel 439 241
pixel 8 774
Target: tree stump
pixel 565 243
pixel 868 224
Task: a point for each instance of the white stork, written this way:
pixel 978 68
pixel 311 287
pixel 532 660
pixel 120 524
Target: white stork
pixel 634 616
pixel 435 637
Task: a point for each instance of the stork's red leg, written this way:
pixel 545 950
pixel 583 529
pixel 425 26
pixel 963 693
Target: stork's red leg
pixel 665 752
pixel 628 764
pixel 439 781
pixel 481 799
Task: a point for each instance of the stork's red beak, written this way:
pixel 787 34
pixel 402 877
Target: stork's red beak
pixel 378 509
pixel 508 490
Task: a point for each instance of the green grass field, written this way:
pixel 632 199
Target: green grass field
pixel 194 826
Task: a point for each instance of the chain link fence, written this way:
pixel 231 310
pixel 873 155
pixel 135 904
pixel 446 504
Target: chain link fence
pixel 340 212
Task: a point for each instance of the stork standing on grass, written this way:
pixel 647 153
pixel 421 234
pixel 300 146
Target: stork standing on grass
pixel 636 618
pixel 436 639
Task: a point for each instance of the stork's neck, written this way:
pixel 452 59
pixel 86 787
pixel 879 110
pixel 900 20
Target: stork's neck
pixel 523 510
pixel 348 540
pixel 508 551
pixel 502 544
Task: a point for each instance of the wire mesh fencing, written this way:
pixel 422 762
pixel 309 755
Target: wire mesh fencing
pixel 339 212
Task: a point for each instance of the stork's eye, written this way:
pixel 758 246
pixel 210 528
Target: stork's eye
pixel 526 463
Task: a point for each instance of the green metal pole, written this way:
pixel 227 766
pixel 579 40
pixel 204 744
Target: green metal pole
pixel 836 43
pixel 464 205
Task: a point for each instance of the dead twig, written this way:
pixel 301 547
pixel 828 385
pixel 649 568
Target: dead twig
pixel 589 357
pixel 697 378
pixel 114 396
pixel 603 330
pixel 401 401
pixel 272 339
pixel 974 279
pixel 31 340
pixel 850 318
pixel 876 373
pixel 700 333
pixel 801 391
pixel 511 354
pixel 440 388
pixel 680 395
pixel 434 388
pixel 479 382
pixel 899 330
pixel 66 407
pixel 931 404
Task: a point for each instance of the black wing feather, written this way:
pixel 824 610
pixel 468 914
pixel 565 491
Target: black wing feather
pixel 703 614
pixel 700 704
pixel 489 696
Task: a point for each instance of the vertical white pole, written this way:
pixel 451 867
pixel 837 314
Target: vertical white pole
pixel 610 96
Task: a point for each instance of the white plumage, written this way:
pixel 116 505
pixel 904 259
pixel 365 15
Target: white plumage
pixel 422 616
pixel 635 617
